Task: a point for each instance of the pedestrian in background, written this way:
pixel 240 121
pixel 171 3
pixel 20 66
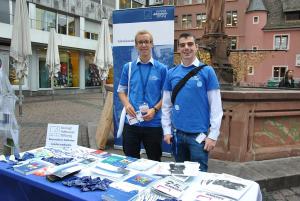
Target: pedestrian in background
pixel 288 80
pixel 191 121
pixel 144 79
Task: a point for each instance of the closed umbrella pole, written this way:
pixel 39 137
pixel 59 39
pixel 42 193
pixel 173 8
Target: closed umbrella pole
pixel 20 49
pixel 52 59
pixel 103 56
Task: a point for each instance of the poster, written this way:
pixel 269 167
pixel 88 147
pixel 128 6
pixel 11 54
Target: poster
pixel 126 23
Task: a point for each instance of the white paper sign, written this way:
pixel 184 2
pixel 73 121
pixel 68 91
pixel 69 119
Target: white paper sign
pixel 62 136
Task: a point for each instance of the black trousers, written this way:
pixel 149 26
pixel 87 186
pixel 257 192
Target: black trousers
pixel 151 137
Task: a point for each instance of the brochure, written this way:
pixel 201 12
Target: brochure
pixel 183 169
pixel 202 195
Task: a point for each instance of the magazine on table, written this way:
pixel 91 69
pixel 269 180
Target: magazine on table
pixel 109 171
pixel 183 169
pixel 29 167
pixel 119 161
pixel 142 164
pixel 227 185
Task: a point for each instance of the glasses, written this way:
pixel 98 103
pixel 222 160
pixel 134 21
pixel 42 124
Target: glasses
pixel 146 42
pixel 189 44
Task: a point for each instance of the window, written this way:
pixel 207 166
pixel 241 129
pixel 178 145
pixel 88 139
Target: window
pixel 61 24
pixel 278 72
pixel 71 26
pixel 281 42
pixel 255 20
pixel 297 60
pixel 175 45
pixel 175 20
pixel 200 1
pixel 292 16
pixel 186 2
pixel 250 70
pixel 186 21
pixel 45 19
pixel 200 20
pixel 231 18
pixel 89 35
pixel 233 42
pixel 254 48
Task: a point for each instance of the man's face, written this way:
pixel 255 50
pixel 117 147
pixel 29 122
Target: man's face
pixel 144 45
pixel 187 48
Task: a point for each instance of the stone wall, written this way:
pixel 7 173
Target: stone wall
pixel 259 125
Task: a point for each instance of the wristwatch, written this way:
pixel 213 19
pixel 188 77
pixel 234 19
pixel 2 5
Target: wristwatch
pixel 155 109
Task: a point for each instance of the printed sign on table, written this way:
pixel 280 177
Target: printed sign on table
pixel 62 136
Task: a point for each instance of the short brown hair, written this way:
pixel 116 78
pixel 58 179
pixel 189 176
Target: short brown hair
pixel 142 32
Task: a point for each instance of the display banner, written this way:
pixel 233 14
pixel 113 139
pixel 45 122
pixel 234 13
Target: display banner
pixel 159 21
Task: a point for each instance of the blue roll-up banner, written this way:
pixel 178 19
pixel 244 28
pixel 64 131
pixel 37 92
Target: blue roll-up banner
pixel 159 21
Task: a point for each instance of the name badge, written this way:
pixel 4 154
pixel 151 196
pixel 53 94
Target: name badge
pixel 200 138
pixel 144 108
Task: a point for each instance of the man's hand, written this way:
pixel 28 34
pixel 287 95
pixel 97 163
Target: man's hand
pixel 209 144
pixel 130 110
pixel 150 114
pixel 168 138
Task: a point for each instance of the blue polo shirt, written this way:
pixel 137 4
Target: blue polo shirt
pixel 191 110
pixel 146 84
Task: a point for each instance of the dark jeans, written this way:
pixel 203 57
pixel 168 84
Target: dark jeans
pixel 151 137
pixel 186 148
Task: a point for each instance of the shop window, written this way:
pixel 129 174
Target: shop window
pixel 255 20
pixel 231 18
pixel 68 76
pixel 200 20
pixel 297 60
pixel 186 21
pixel 278 72
pixel 281 42
pixel 92 74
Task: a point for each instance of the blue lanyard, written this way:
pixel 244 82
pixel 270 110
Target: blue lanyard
pixel 142 79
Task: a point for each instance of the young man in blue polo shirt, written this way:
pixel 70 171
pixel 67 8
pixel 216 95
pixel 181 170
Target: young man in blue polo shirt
pixel 147 78
pixel 193 122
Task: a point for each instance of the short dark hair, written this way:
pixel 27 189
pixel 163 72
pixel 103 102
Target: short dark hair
pixel 186 35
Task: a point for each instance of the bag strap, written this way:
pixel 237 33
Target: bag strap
pixel 182 82
pixel 129 76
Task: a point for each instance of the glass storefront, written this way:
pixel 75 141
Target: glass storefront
pixel 92 76
pixel 68 76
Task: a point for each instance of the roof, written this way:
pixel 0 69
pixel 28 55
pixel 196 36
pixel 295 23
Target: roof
pixel 256 5
pixel 276 16
pixel 290 5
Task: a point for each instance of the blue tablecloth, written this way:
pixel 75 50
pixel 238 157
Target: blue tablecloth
pixel 15 186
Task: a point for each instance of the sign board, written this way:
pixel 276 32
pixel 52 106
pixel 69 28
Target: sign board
pixel 62 136
pixel 159 21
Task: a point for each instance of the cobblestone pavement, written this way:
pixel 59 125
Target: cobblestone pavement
pixel 80 109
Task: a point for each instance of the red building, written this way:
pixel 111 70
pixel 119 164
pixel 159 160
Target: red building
pixel 265 35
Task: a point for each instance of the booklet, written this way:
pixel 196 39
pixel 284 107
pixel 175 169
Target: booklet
pixel 227 185
pixel 170 187
pixel 31 166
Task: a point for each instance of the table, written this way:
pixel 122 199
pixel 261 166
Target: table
pixel 15 186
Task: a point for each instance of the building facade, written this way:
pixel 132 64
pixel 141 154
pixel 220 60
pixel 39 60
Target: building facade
pixel 265 36
pixel 77 23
